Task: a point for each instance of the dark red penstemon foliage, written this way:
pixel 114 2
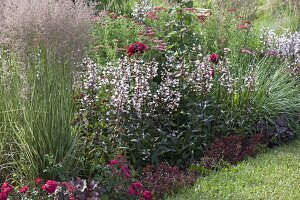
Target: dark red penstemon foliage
pixel 232 149
pixel 165 179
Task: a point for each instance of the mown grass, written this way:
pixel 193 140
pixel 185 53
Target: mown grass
pixel 271 175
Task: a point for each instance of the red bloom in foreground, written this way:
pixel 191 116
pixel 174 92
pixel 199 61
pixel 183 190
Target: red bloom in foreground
pixel 23 189
pixel 50 186
pixel 38 180
pixel 125 171
pixel 137 47
pixel 147 195
pixel 3 196
pixel 6 188
pixel 135 188
pixel 113 162
pixel 214 58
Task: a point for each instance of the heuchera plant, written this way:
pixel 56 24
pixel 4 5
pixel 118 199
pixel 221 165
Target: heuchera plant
pixel 165 179
pixel 232 149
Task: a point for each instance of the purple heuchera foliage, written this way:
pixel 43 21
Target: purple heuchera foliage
pixel 165 179
pixel 232 149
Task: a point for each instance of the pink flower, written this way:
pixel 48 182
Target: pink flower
pixel 135 188
pixel 147 195
pixel 113 162
pixel 126 171
pixel 137 47
pixel 38 180
pixel 70 187
pixel 23 189
pixel 50 186
pixel 3 196
pixel 214 58
pixel 6 188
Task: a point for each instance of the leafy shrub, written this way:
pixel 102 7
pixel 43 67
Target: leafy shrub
pixel 232 149
pixel 60 25
pixel 164 179
pixel 278 130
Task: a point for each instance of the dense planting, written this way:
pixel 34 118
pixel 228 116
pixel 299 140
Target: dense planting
pixel 136 99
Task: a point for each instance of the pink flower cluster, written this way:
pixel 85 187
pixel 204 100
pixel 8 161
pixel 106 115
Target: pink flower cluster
pixel 6 188
pixel 50 186
pixel 119 165
pixel 136 189
pixel 76 189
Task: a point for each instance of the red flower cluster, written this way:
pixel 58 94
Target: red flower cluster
pixel 23 189
pixel 136 189
pixel 214 58
pixel 38 180
pixel 245 24
pixel 147 195
pixel 119 164
pixel 6 188
pixel 137 47
pixel 50 186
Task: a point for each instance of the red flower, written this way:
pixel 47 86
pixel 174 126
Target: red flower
pixel 23 189
pixel 38 180
pixel 113 162
pixel 147 195
pixel 126 171
pixel 231 9
pixel 70 187
pixel 214 58
pixel 3 196
pixel 202 18
pixel 135 188
pixel 6 188
pixel 137 47
pixel 246 24
pixel 50 186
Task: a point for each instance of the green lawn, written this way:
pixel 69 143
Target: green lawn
pixel 271 175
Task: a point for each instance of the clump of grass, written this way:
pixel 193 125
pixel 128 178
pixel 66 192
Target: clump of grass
pixel 42 141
